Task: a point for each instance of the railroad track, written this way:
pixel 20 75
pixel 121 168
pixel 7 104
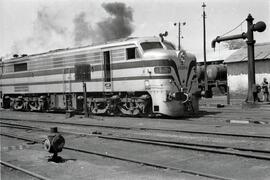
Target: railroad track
pixel 108 155
pixel 30 173
pixel 220 149
pixel 141 128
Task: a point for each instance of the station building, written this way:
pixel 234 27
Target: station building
pixel 237 68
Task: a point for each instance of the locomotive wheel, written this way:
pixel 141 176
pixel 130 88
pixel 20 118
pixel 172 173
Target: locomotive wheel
pixel 129 109
pixel 34 106
pixel 18 104
pixel 99 107
pixel 135 106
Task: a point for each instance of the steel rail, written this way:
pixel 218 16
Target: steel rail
pixel 206 145
pixel 146 163
pixel 33 174
pixel 20 126
pixel 221 149
pixel 197 148
pixel 142 128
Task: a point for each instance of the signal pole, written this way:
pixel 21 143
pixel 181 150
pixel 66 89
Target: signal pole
pixel 179 33
pixel 204 53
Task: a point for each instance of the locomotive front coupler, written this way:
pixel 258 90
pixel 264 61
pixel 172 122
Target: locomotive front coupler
pixel 54 144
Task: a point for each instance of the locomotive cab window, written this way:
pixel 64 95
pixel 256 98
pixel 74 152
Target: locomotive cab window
pixel 20 67
pixel 151 45
pixel 132 53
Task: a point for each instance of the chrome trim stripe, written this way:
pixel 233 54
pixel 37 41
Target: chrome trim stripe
pixel 93 80
pixel 115 66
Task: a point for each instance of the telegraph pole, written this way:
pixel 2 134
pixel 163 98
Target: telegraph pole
pixel 204 52
pixel 179 36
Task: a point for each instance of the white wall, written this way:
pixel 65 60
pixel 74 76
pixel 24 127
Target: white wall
pixel 238 78
pixel 238 83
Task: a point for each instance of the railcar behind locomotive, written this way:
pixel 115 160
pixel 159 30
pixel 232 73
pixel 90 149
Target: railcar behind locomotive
pixel 216 75
pixel 133 76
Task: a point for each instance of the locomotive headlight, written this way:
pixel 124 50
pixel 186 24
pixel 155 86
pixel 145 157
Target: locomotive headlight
pixel 147 85
pixel 179 96
pixel 162 70
pixel 80 97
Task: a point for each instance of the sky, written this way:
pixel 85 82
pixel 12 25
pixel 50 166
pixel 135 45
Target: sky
pixel 34 26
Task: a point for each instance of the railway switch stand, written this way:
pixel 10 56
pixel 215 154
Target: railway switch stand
pixel 54 144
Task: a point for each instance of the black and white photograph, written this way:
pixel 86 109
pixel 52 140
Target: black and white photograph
pixel 135 90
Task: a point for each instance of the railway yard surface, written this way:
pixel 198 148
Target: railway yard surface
pixel 221 142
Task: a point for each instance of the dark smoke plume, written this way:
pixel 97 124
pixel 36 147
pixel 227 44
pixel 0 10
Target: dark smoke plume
pixel 118 25
pixel 51 31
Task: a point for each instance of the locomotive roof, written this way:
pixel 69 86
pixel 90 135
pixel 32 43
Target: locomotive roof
pixel 118 42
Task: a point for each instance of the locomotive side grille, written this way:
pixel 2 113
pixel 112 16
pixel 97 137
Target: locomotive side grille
pixel 118 55
pixel 21 88
pixel 58 62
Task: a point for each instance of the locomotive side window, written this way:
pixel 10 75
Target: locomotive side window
pixel 151 45
pixel 20 67
pixel 132 53
pixel 107 66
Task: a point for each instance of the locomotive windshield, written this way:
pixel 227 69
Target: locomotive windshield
pixel 169 45
pixel 151 45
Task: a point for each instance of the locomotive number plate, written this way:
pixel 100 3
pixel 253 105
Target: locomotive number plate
pixel 108 85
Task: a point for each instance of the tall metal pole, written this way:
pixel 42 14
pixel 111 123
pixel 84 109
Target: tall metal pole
pixel 204 51
pixel 85 100
pixel 179 33
pixel 179 36
pixel 251 65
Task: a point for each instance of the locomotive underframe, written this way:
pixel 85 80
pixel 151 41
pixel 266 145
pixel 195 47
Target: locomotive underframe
pixel 138 103
pixel 113 103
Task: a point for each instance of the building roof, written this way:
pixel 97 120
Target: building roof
pixel 262 52
pixel 217 55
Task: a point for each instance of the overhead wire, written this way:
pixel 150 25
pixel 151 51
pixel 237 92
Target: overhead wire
pixel 233 28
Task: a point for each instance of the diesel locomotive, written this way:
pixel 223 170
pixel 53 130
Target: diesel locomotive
pixel 131 76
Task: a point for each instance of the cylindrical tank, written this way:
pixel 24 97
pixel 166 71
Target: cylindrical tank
pixel 200 73
pixel 214 72
pixel 217 72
